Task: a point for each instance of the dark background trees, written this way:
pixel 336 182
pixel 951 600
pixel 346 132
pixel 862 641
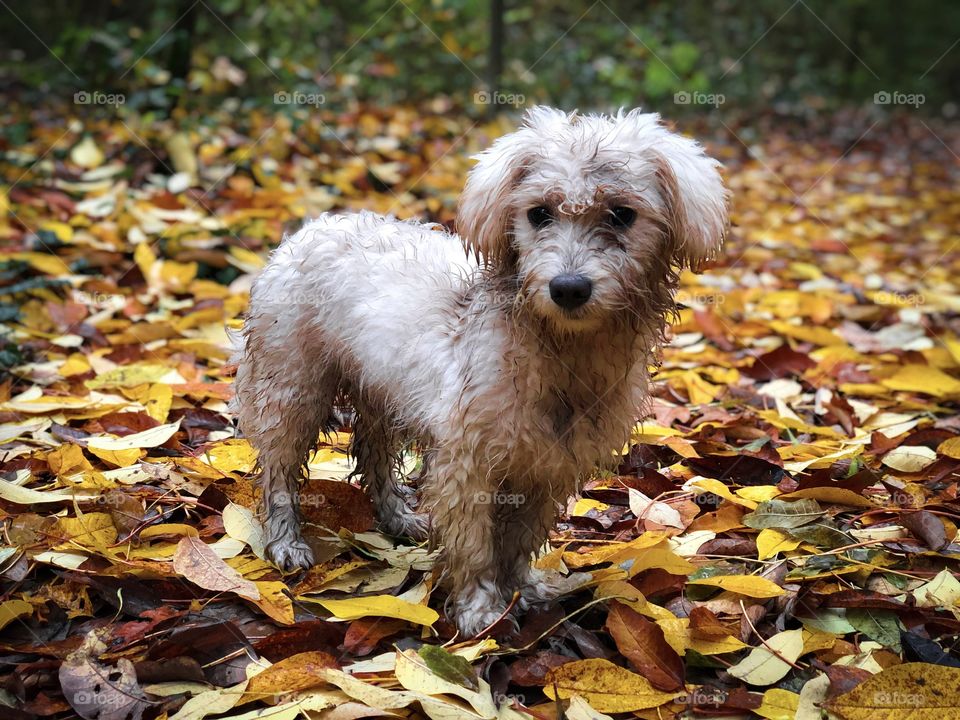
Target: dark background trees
pixel 800 54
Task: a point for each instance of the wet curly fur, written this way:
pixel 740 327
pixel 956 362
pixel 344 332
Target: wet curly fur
pixel 515 384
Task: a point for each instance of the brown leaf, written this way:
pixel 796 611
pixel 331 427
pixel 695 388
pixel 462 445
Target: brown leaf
pixel 531 671
pixel 292 674
pixel 199 564
pixel 925 526
pixel 642 643
pixel 365 634
pixel 97 691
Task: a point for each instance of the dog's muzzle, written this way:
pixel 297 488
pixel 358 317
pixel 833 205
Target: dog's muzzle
pixel 570 291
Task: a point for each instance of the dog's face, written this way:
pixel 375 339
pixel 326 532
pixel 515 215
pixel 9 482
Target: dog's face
pixel 592 213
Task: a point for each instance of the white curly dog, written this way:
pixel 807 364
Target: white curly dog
pixel 516 355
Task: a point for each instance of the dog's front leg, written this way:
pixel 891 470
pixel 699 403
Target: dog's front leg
pixel 463 521
pixel 524 518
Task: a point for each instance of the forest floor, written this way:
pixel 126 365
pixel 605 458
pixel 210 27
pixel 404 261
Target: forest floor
pixel 779 542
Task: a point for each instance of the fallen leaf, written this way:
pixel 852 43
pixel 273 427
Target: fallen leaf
pixel 199 564
pixel 605 686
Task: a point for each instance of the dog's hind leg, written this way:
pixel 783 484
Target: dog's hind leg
pixel 282 397
pixel 375 445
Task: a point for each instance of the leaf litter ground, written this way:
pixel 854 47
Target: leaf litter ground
pixel 780 540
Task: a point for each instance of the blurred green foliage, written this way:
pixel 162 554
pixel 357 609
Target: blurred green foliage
pixel 166 53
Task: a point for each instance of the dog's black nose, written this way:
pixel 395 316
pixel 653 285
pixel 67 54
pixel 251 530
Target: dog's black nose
pixel 570 291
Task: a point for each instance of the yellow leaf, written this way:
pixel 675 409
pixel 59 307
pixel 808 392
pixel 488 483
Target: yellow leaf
pixel 275 601
pixel 68 459
pixel 779 705
pixel 235 455
pixel 604 553
pixel 759 493
pixel 380 606
pixel 145 259
pixel 49 264
pixel 698 390
pixel 177 276
pixel 92 530
pixel 720 490
pixel 909 458
pixel 413 673
pixel 923 379
pixel 627 594
pixel 786 304
pixel 644 431
pixel 676 631
pixel 770 542
pixel 765 666
pixel 129 376
pixel 76 364
pixel 815 641
pixel 117 458
pixel 943 590
pixel 63 231
pixel 246 260
pixel 157 402
pixel 241 524
pixel 292 674
pixel 12 609
pixel 86 154
pixel 150 438
pixel 950 447
pixel 662 558
pixel 605 686
pixel 584 505
pixel 807 333
pixel 838 495
pixel 919 691
pixel 167 529
pixel 749 585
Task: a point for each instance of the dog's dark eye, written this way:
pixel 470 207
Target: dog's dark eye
pixel 622 217
pixel 539 216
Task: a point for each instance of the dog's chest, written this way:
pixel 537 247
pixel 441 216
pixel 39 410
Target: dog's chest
pixel 566 421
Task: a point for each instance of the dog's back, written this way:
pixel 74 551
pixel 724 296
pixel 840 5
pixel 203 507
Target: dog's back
pixel 371 292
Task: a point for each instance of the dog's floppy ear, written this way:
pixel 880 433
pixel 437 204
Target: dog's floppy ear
pixel 483 216
pixel 696 199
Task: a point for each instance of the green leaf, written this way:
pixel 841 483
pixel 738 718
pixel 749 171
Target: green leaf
pixel 879 625
pixel 448 666
pixel 783 514
pixel 822 535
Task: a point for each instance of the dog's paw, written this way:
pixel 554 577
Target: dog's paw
pixel 408 523
pixel 290 554
pixel 473 621
pixel 542 586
